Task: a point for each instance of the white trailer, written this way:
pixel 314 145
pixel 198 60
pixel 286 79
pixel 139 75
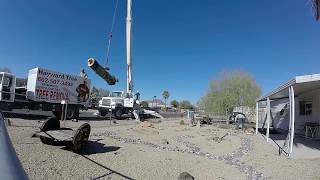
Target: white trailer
pixel 45 90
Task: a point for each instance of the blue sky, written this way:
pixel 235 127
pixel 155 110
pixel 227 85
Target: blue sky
pixel 178 45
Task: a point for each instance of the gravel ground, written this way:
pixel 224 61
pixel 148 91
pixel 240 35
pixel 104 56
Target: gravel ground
pixel 128 151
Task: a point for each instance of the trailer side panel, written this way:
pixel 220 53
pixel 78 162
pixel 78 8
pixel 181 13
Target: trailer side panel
pixel 53 87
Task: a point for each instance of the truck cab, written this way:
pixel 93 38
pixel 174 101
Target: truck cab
pixel 118 103
pixel 7 87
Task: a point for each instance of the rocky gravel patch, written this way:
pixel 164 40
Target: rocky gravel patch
pixel 233 159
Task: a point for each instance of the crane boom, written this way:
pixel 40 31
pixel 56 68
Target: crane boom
pixel 129 47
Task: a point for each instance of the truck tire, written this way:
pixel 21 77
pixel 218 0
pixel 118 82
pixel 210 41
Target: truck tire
pixel 77 110
pixel 118 112
pixel 102 112
pixel 72 112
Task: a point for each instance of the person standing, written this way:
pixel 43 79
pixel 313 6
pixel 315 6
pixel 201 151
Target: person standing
pixel 83 74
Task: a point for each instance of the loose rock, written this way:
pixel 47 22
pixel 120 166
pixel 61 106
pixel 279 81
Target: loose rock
pixel 146 124
pixel 164 141
pixel 185 176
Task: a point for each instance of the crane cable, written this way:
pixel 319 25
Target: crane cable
pixel 110 33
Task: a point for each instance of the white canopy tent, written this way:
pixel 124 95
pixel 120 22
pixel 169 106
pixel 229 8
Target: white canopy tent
pixel 290 90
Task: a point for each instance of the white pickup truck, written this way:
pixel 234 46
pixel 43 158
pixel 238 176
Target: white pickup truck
pixel 45 90
pixel 118 103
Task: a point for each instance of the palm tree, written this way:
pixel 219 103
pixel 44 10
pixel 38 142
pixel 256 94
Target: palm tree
pixel 165 96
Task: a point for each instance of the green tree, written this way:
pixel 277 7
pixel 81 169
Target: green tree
pixel 316 9
pixel 165 96
pixel 185 104
pixel 103 92
pixel 231 89
pixel 5 69
pixel 96 94
pixel 144 104
pixel 174 103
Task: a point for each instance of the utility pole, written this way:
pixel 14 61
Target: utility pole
pixel 129 47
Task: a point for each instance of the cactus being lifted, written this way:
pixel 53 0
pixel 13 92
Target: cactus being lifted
pixel 102 72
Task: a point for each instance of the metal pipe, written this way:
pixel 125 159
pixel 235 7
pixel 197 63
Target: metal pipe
pixel 10 166
pixel 257 117
pixel 268 118
pixel 292 107
pixel 129 46
pixel 290 120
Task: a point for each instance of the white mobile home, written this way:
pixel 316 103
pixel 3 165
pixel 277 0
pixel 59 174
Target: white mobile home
pixel 291 114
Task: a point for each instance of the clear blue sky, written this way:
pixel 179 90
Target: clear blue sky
pixel 178 45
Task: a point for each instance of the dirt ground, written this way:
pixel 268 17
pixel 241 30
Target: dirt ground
pixel 128 151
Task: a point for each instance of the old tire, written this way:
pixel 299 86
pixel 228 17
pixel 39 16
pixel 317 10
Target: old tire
pixel 46 140
pixel 118 113
pixel 52 123
pixel 71 112
pixel 81 137
pixel 102 112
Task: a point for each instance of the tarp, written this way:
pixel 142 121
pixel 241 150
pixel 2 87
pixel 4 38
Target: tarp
pixel 280 114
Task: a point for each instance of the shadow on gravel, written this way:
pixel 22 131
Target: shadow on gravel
pixel 43 117
pixel 108 173
pixel 172 114
pixel 93 118
pixel 24 116
pixel 93 147
pixel 103 118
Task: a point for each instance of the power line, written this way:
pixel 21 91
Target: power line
pixel 111 30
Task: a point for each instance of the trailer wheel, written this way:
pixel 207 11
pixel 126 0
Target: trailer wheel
pixel 81 137
pixel 52 123
pixel 46 140
pixel 118 112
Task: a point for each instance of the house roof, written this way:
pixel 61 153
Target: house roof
pixel 300 85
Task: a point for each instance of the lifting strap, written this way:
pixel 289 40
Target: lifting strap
pixel 110 33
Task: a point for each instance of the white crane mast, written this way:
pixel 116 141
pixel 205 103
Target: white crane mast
pixel 129 47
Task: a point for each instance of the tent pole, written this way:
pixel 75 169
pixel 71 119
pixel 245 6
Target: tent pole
pixel 268 118
pixel 292 119
pixel 257 117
